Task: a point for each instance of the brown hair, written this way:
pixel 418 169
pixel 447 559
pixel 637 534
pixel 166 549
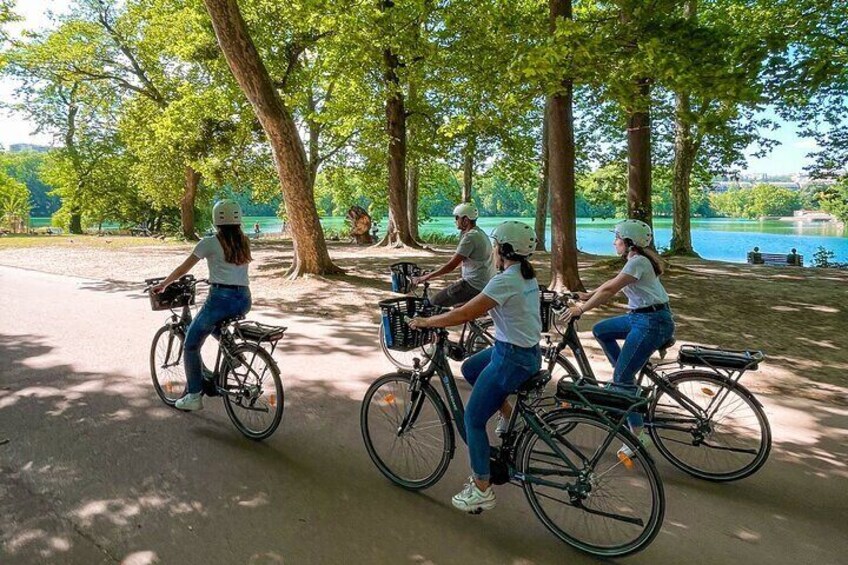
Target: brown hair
pixel 648 253
pixel 235 243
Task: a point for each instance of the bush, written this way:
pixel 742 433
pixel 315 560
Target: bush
pixel 823 259
pixel 438 238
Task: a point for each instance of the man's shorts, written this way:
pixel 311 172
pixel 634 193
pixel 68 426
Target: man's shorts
pixel 459 292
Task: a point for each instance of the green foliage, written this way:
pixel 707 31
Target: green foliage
pixel 824 259
pixel 14 204
pixel 834 200
pixel 25 166
pixel 759 201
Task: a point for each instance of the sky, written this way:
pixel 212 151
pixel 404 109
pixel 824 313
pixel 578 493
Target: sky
pixel 789 157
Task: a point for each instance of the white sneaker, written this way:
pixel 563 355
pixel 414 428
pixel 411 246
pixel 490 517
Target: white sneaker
pixel 503 425
pixel 190 402
pixel 644 439
pixel 472 499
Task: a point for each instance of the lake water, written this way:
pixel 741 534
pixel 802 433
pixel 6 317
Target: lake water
pixel 713 238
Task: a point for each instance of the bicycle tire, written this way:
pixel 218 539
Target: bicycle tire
pixel 561 368
pixel 397 398
pixel 161 357
pixel 248 393
pixel 690 458
pixel 638 477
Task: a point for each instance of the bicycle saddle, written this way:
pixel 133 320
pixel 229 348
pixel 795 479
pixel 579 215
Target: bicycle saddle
pixel 535 382
pixel 663 349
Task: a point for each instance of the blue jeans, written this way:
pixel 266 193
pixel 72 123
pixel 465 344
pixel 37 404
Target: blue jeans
pixel 495 373
pixel 222 303
pixel 643 334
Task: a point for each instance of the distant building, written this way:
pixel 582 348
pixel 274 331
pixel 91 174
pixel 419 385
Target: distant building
pixel 19 147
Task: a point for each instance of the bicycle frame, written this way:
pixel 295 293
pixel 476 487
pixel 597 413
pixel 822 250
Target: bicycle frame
pixel 441 368
pixel 571 340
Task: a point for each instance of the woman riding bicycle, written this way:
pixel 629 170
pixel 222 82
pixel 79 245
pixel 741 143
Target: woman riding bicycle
pixel 649 323
pixel 512 299
pixel 227 255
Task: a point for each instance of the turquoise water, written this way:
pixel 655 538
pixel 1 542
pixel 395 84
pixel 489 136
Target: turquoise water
pixel 713 238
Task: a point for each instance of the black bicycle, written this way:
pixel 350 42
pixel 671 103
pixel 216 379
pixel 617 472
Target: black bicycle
pixel 699 416
pixel 245 375
pixel 474 336
pixel 567 461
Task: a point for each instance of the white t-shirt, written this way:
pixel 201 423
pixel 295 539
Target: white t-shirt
pixel 220 271
pixel 647 290
pixel 477 267
pixel 517 318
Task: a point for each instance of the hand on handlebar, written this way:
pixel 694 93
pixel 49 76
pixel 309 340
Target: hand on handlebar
pixel 418 323
pixel 157 288
pixel 572 312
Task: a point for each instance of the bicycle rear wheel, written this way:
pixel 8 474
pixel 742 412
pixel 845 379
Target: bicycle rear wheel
pixel 405 360
pixel 611 508
pixel 561 368
pixel 166 365
pixel 417 457
pixel 729 441
pixel 253 391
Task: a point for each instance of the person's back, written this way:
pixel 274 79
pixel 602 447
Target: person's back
pixel 477 266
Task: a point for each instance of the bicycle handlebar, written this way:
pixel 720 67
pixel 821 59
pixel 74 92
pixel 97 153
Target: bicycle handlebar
pixel 185 279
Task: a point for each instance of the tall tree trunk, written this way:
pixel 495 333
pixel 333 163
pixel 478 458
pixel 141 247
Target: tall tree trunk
pixel 314 139
pixel 413 176
pixel 75 222
pixel 639 157
pixel 544 190
pixel 564 269
pixel 396 130
pixel 192 181
pixel 468 168
pixel 685 149
pixel 311 254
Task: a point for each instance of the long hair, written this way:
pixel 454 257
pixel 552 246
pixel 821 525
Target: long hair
pixel 527 271
pixel 235 243
pixel 648 253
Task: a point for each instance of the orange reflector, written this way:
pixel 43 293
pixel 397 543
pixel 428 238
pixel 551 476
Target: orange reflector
pixel 389 399
pixel 623 457
pixel 169 387
pixel 272 400
pixel 564 405
pixel 708 391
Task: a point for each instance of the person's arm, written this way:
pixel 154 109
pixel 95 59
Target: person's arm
pixel 448 267
pixel 600 296
pixel 471 310
pixel 183 269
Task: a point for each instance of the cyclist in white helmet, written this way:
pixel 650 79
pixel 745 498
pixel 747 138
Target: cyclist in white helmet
pixel 647 326
pixel 474 253
pixel 512 299
pixel 227 255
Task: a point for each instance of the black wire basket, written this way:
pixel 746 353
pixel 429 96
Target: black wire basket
pixel 546 301
pixel 178 294
pixel 396 313
pixel 402 274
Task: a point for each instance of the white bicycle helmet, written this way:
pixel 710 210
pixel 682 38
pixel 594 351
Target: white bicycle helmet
pixel 518 235
pixel 636 231
pixel 226 213
pixel 467 209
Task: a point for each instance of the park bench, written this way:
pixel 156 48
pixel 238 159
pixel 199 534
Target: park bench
pixel 792 259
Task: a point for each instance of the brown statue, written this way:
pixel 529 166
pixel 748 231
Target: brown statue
pixel 360 225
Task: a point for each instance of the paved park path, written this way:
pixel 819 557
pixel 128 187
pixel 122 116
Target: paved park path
pixel 94 469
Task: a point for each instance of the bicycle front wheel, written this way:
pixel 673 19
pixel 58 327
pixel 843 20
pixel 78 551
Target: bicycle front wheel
pixel 166 365
pixel 407 432
pixel 609 506
pixel 405 360
pixel 725 439
pixel 253 391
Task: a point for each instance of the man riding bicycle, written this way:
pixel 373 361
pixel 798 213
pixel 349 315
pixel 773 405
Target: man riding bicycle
pixel 474 253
